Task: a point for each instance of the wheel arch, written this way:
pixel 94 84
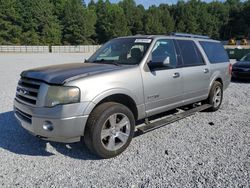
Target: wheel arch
pixel 218 79
pixel 125 98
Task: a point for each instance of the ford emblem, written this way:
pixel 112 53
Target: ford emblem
pixel 23 91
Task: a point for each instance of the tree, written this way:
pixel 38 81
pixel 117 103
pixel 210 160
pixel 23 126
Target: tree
pixel 39 25
pixel 152 21
pixel 134 16
pixel 117 23
pixel 236 21
pixel 166 19
pixel 92 5
pixel 58 7
pixel 221 12
pixel 10 30
pixel 185 19
pixel 37 22
pixel 111 21
pixel 246 13
pixel 78 23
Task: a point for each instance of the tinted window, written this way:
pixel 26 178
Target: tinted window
pixel 164 50
pixel 215 52
pixel 246 58
pixel 190 54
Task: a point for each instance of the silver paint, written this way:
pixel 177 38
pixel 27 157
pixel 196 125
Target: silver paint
pixel 153 92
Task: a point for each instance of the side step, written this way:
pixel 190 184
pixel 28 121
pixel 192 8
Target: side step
pixel 162 122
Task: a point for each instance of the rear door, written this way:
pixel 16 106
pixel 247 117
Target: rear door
pixel 196 73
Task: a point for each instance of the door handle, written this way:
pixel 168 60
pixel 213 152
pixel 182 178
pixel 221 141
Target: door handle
pixel 206 71
pixel 176 75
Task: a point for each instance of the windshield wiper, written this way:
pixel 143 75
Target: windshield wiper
pixel 106 62
pixel 115 63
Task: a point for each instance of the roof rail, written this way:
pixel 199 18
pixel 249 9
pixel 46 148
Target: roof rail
pixel 190 35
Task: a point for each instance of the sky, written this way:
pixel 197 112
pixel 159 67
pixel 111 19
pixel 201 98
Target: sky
pixel 147 3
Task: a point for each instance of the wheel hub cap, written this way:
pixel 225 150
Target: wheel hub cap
pixel 115 132
pixel 217 97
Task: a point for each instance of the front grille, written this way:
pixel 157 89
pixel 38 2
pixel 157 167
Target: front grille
pixel 24 116
pixel 27 91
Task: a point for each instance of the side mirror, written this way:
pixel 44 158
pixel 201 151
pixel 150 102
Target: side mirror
pixel 157 65
pixel 166 62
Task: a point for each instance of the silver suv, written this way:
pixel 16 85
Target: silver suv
pixel 126 80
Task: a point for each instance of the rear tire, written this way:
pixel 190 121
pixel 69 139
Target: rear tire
pixel 215 96
pixel 109 130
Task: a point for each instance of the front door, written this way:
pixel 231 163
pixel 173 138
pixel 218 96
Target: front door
pixel 163 87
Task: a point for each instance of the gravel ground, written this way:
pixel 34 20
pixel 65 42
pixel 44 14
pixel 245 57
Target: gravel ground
pixel 204 150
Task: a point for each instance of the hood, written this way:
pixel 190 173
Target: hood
pixel 61 74
pixel 242 64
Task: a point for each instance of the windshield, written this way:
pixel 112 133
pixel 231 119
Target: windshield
pixel 246 58
pixel 128 51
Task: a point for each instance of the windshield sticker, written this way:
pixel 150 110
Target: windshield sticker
pixel 143 40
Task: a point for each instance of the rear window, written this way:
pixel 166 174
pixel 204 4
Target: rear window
pixel 215 52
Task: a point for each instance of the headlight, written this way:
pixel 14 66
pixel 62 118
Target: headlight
pixel 62 95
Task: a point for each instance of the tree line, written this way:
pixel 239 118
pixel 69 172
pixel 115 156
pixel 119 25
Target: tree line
pixel 56 22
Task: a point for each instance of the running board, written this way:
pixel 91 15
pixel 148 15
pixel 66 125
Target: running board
pixel 160 123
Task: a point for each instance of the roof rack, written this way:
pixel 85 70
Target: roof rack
pixel 190 35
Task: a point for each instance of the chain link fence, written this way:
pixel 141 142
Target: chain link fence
pixel 75 49
pixel 24 49
pixel 48 49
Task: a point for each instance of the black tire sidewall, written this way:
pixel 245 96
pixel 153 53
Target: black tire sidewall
pixel 95 135
pixel 211 95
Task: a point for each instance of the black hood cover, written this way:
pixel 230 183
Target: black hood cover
pixel 242 64
pixel 60 74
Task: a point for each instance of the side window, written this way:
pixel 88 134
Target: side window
pixel 190 53
pixel 164 50
pixel 215 52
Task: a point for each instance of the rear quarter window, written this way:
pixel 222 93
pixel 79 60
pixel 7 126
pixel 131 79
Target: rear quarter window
pixel 215 52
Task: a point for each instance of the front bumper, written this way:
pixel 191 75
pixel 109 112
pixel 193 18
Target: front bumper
pixel 68 121
pixel 241 74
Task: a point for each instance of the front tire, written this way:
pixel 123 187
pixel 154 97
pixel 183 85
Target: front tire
pixel 109 130
pixel 215 96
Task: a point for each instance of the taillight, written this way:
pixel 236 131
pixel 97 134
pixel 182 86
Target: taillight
pixel 230 67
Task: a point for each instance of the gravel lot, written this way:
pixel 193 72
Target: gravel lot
pixel 204 150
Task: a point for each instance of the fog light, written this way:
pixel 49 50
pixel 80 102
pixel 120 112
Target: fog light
pixel 48 126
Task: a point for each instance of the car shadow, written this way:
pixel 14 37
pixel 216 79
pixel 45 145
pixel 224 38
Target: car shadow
pixel 15 139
